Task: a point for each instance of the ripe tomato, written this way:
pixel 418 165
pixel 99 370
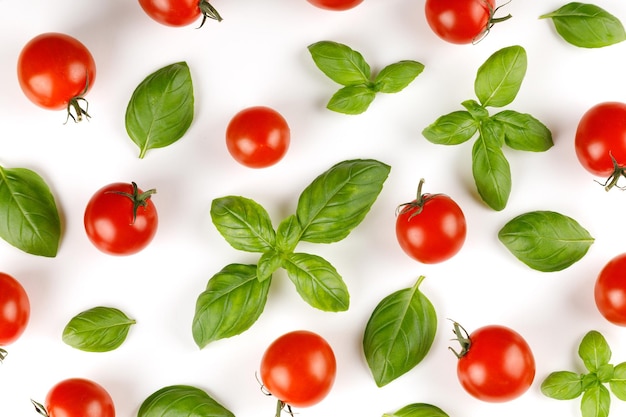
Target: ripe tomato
pixel 179 12
pixel 610 290
pixel 335 4
pixel 299 368
pixel 431 228
pixel 495 363
pixel 258 137
pixel 56 71
pixel 121 219
pixel 77 397
pixel 14 310
pixel 600 141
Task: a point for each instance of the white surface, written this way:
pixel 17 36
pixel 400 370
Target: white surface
pixel 258 55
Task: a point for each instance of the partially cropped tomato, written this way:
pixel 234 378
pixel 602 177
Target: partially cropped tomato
pixel 610 290
pixel 431 228
pixel 495 363
pixel 121 219
pixel 600 141
pixel 56 71
pixel 179 12
pixel 335 4
pixel 258 137
pixel 77 397
pixel 14 310
pixel 299 368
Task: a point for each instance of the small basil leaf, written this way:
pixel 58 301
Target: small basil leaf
pixel 182 401
pixel 339 199
pixel 352 99
pixel 545 240
pixel 418 410
pixel 395 77
pixel 562 385
pixel 99 329
pixel 499 79
pixel 618 383
pixel 478 112
pixel 596 402
pixel 340 63
pixel 268 263
pixel 232 302
pixel 160 110
pixel 244 223
pixel 594 351
pixel 490 168
pixel 586 25
pixel 30 219
pixel 317 282
pixel 452 129
pixel 288 234
pixel 523 132
pixel 399 334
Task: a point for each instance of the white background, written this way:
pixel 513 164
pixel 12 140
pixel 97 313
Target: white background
pixel 258 56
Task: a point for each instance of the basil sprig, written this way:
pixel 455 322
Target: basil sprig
pixel 586 25
pixel 98 329
pixel 595 353
pixel 418 410
pixel 497 83
pixel 182 401
pixel 327 211
pixel 347 67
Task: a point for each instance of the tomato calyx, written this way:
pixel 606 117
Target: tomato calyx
pixel 619 171
pixel 208 12
pixel 3 354
pixel 491 21
pixel 40 408
pixel 280 404
pixel 138 199
pixel 417 205
pixel 74 104
pixel 463 338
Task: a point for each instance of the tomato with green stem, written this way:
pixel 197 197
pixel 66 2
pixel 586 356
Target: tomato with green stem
pixel 610 290
pixel 77 397
pixel 14 311
pixel 337 5
pixel 179 12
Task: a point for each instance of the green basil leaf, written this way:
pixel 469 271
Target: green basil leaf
pixel 545 240
pixel 340 63
pixel 399 334
pixel 478 112
pixel 338 200
pixel 397 76
pixel 490 168
pixel 596 402
pixel 232 302
pixel 161 108
pixel 269 262
pixel 317 282
pixel 499 79
pixel 99 329
pixel 451 129
pixel 288 234
pixel 523 132
pixel 182 401
pixel 244 223
pixel 586 25
pixel 418 410
pixel 352 99
pixel 594 351
pixel 618 383
pixel 562 385
pixel 605 373
pixel 30 219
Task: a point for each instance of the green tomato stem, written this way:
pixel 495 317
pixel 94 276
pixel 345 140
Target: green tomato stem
pixel 208 12
pixel 618 172
pixel 463 338
pixel 3 354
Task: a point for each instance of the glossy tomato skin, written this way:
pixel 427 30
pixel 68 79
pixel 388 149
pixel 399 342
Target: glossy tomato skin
pixel 459 21
pixel 14 309
pixel 337 5
pixel 79 397
pixel 258 137
pixel 54 68
pixel 610 290
pixel 109 221
pixel 172 12
pixel 299 368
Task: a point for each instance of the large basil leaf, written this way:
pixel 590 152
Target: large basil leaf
pixel 338 200
pixel 351 99
pixel 545 240
pixel 562 385
pixel 618 382
pixel 523 132
pixel 399 334
pixel 395 77
pixel 182 401
pixel 499 79
pixel 29 219
pixel 161 108
pixel 99 329
pixel 490 168
pixel 232 302
pixel 596 402
pixel 418 410
pixel 594 351
pixel 340 63
pixel 452 129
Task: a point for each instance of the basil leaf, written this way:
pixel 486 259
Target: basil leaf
pixel 288 234
pixel 244 224
pixel 478 112
pixel 99 329
pixel 562 385
pixel 340 63
pixel 232 302
pixel 451 129
pixel 594 351
pixel 490 168
pixel 161 108
pixel 352 99
pixel 596 402
pixel 586 25
pixel 499 79
pixel 399 334
pixel 395 77
pixel 523 132
pixel 269 262
pixel 182 401
pixel 339 199
pixel 545 240
pixel 30 219
pixel 618 383
pixel 418 410
pixel 317 282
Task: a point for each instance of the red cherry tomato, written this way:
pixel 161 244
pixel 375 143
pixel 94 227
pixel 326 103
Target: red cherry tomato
pixel 77 397
pixel 56 71
pixel 431 228
pixel 258 137
pixel 335 4
pixel 299 368
pixel 14 310
pixel 496 364
pixel 610 290
pixel 179 12
pixel 121 219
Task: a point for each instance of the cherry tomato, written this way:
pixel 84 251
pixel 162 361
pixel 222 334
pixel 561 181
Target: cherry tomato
pixel 121 219
pixel 258 137
pixel 179 12
pixel 495 364
pixel 610 290
pixel 299 368
pixel 431 228
pixel 600 141
pixel 56 71
pixel 14 310
pixel 335 4
pixel 77 397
